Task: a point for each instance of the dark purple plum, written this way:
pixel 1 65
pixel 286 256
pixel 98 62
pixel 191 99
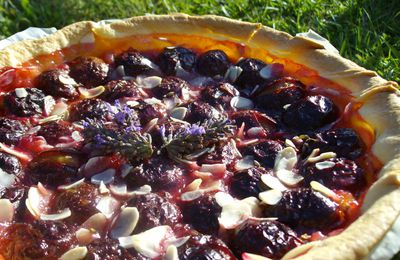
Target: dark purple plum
pixel 117 89
pixel 304 208
pixel 170 57
pixel 344 174
pixel 310 113
pixel 89 71
pixel 155 210
pixel 52 131
pixel 89 108
pixel 106 248
pixel 169 87
pixel 58 83
pixel 25 102
pixel 134 63
pixel 246 183
pixel 264 237
pixel 202 214
pixel 11 131
pixel 250 76
pixel 264 152
pixel 199 112
pixel 212 63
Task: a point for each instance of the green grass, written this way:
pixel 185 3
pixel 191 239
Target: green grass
pixel 365 31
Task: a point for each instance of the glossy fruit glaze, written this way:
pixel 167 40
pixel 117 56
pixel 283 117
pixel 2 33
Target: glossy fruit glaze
pixel 208 151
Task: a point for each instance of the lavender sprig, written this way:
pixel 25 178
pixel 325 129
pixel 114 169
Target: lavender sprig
pixel 190 142
pixel 130 144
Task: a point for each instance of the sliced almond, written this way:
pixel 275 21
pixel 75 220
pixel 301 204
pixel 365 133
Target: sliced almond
pixel 191 195
pixel 91 93
pixel 21 92
pixel 288 177
pixel 233 214
pixel 324 165
pixel 106 177
pixel 6 211
pixel 76 253
pixel 49 119
pixel 272 182
pixel 248 256
pixel 266 72
pixel 49 103
pixel 270 197
pixel 125 223
pixel 233 73
pixel 20 155
pixel 33 202
pixel 72 185
pixel 66 213
pixel 324 190
pixel 194 185
pixel 96 222
pixel 216 169
pixel 171 253
pixel 148 243
pixel 223 198
pixel 246 163
pixel 107 205
pixel 177 241
pixel 84 236
pixel 179 113
pixel 149 82
pixel 103 189
pixel 6 180
pixel 150 125
pixel 241 103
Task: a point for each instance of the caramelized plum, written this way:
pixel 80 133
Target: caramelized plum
pixel 90 71
pixel 212 63
pixel 335 173
pixel 134 63
pixel 199 112
pixel 200 247
pixel 58 83
pixel 202 213
pixel 155 210
pixel 246 183
pixel 250 76
pixel 10 164
pixel 53 168
pixel 303 207
pixel 25 102
pixel 279 93
pixel 89 108
pixel 169 87
pixel 11 131
pixel 264 237
pixel 310 113
pixel 345 142
pixel 121 88
pixel 219 95
pixel 264 152
pixel 159 172
pixel 106 248
pixel 171 57
pixel 81 200
pixel 52 131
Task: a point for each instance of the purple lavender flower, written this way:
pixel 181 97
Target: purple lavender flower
pixel 162 130
pixel 99 140
pixel 196 130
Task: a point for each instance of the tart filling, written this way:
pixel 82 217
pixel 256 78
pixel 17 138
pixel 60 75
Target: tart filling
pixel 176 152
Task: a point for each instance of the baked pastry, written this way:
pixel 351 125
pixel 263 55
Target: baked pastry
pixel 193 137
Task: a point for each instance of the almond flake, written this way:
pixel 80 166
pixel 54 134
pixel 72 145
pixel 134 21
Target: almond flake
pixel 241 103
pixel 49 119
pixel 321 157
pixel 171 253
pixel 266 72
pixel 96 222
pixel 191 195
pixel 107 205
pixel 6 180
pixel 248 256
pixel 270 197
pixel 324 190
pixel 72 185
pixel 77 253
pixel 91 93
pixel 194 185
pixel 273 182
pixel 246 163
pixel 148 243
pixel 324 165
pixel 125 223
pixel 6 211
pixel 21 92
pixel 84 236
pixel 179 113
pixel 66 213
pixel 233 73
pixel 149 82
pixel 106 177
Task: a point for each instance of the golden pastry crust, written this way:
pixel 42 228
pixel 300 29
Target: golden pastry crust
pixel 381 108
